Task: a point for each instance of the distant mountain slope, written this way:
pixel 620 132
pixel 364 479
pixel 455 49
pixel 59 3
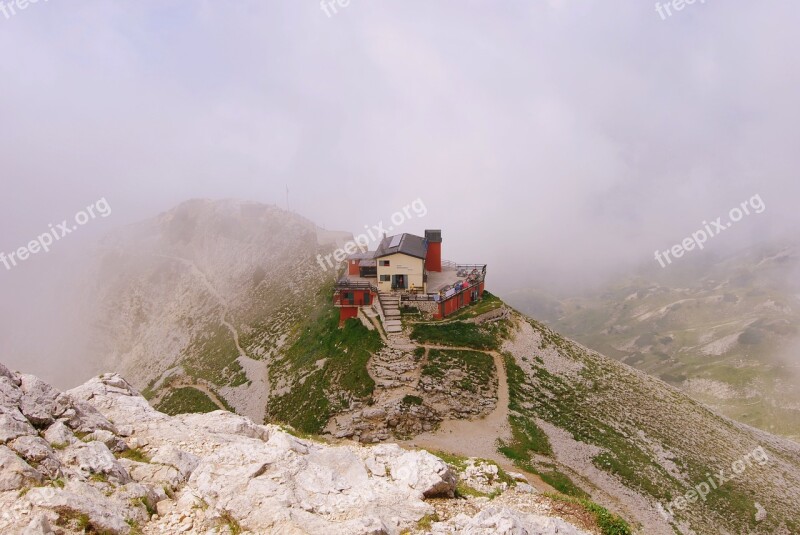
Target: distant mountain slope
pixel 727 331
pixel 206 294
pixel 636 444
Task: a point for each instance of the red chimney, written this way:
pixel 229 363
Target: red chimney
pixel 433 259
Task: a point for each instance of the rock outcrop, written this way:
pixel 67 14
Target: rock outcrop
pixel 98 458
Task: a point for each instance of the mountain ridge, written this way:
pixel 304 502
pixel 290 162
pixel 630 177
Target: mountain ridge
pixel 598 435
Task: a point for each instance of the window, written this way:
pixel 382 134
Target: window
pixel 384 263
pixel 385 278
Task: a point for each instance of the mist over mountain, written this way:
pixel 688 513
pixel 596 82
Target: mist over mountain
pixel 725 329
pixel 578 313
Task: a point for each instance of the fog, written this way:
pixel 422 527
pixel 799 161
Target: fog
pixel 561 142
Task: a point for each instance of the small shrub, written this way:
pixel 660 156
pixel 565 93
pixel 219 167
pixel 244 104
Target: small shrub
pixel 412 400
pixel 135 454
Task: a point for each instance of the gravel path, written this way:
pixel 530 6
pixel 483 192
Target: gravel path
pixel 474 438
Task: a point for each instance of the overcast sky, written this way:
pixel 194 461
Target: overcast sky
pixel 570 137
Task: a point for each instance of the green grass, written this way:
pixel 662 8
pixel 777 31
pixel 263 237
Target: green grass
pixel 329 367
pixel 233 526
pixel 149 391
pixel 427 521
pixel 83 523
pixel 459 462
pixel 477 368
pixel 465 491
pixel 562 483
pixel 214 358
pixel 407 310
pixel 412 400
pixel 456 334
pixel 586 407
pixel 486 304
pixel 609 523
pixel 186 400
pixel 526 438
pixel 135 529
pixel 568 405
pixel 135 454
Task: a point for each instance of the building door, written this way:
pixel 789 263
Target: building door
pixel 399 282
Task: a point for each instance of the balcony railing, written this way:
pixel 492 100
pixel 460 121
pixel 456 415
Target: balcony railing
pixel 345 284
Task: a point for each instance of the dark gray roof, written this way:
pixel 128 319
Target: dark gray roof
pixel 366 255
pixel 410 244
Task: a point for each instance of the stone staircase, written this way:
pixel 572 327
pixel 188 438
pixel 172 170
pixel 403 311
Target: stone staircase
pixel 393 367
pixel 390 304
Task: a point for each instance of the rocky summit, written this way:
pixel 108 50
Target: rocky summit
pixel 99 459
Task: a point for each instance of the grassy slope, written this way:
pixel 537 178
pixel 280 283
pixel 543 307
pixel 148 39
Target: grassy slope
pixel 325 369
pixel 477 369
pixel 458 334
pixel 186 400
pixel 608 405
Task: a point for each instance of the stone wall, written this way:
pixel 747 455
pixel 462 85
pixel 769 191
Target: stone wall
pixel 428 308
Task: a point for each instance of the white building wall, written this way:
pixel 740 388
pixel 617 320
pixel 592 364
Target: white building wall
pixel 401 264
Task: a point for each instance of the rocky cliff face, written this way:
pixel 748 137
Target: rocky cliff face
pixel 206 295
pixel 99 459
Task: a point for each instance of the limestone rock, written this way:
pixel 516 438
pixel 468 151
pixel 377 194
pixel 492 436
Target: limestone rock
pixel 78 498
pixel 8 374
pixel 84 418
pixel 10 393
pixel 38 526
pixel 226 423
pixel 425 473
pixel 38 400
pixel 112 441
pixel 185 463
pixel 59 434
pixel 15 473
pixel 156 475
pixel 95 458
pixel 504 521
pixel 13 424
pixel 206 470
pixel 37 450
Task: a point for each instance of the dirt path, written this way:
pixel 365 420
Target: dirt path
pixel 188 382
pixel 471 438
pixel 468 438
pixel 478 437
pixel 223 318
